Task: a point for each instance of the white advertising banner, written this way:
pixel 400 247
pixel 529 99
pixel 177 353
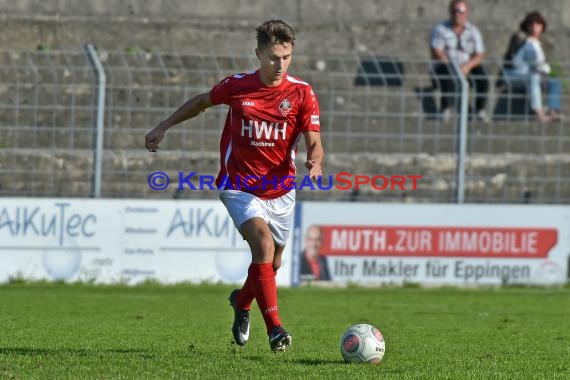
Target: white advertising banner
pixel 432 244
pixel 110 241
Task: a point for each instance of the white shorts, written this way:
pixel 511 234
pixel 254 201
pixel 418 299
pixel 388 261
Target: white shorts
pixel 277 213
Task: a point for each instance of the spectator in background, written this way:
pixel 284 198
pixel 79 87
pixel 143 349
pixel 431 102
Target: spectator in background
pixel 530 69
pixel 516 41
pixel 457 40
pixel 313 265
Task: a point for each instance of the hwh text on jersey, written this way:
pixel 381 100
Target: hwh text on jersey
pixel 264 129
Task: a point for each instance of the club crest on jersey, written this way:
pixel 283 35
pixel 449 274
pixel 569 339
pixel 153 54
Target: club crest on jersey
pixel 285 107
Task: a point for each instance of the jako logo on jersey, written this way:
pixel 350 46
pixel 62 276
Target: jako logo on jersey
pixel 247 103
pixel 263 129
pixel 315 119
pixel 285 107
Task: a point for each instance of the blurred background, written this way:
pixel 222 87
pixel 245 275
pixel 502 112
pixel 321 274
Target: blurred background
pixel 368 62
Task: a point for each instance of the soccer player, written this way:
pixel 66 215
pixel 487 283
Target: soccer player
pixel 269 111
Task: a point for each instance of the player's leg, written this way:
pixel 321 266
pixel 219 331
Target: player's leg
pixel 240 326
pixel 277 257
pixel 279 338
pixel 241 207
pixel 245 296
pixel 280 213
pixel 252 217
pixel 260 240
pixel 262 272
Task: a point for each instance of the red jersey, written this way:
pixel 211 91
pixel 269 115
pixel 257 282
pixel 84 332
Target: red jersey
pixel 263 128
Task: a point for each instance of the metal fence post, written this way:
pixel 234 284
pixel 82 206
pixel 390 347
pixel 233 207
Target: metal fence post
pixel 462 136
pixel 98 154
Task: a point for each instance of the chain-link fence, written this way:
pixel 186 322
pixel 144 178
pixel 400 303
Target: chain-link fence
pixel 379 115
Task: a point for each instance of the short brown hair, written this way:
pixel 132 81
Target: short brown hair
pixel 531 18
pixel 453 3
pixel 273 32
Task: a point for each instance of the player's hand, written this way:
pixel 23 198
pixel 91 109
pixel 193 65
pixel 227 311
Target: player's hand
pixel 153 138
pixel 315 170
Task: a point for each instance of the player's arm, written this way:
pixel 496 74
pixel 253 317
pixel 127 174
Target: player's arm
pixel 315 154
pixel 187 111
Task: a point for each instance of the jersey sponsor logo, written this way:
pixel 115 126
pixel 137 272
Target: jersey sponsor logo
pixel 263 130
pixel 315 120
pixel 261 143
pixel 247 103
pixel 285 107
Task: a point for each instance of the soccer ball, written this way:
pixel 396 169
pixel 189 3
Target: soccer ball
pixel 362 343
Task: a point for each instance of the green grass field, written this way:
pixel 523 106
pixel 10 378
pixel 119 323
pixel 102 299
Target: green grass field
pixel 56 331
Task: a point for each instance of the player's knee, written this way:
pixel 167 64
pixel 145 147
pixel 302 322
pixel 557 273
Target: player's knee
pixel 263 250
pixel 267 246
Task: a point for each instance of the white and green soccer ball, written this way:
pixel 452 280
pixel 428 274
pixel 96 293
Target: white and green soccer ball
pixel 362 343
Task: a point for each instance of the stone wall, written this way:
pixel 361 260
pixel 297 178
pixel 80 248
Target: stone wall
pixel 324 27
pixel 513 158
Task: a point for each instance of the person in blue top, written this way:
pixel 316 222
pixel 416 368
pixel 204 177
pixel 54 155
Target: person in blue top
pixel 529 68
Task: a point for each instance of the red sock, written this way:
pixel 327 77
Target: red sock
pixel 245 296
pixel 265 289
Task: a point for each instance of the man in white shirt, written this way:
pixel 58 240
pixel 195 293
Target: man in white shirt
pixel 457 40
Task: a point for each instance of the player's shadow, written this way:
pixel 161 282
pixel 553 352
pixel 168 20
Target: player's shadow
pixel 315 362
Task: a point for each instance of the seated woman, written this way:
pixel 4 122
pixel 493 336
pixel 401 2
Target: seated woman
pixel 529 67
